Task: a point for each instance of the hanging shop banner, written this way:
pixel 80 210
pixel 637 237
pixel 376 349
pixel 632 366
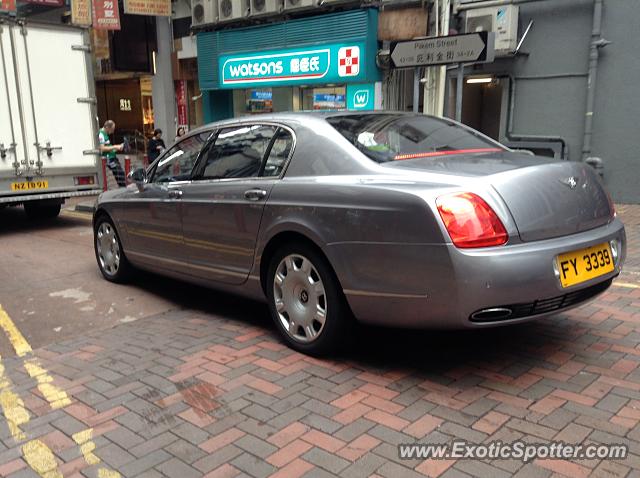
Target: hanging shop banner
pixel 7 5
pixel 334 63
pixel 361 97
pixel 325 101
pixel 81 12
pixel 181 101
pixel 160 8
pixel 106 15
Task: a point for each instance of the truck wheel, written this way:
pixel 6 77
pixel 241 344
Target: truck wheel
pixel 42 209
pixel 112 262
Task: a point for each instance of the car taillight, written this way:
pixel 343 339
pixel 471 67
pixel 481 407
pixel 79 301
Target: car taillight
pixel 83 180
pixel 470 221
pixel 612 206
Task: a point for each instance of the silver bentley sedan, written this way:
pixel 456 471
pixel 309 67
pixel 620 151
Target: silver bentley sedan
pixel 387 218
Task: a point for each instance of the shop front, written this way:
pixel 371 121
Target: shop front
pixel 318 63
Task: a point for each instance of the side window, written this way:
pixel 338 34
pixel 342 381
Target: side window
pixel 279 153
pixel 238 152
pixel 178 163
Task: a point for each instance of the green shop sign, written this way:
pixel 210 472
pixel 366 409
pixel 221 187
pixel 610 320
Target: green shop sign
pixel 335 63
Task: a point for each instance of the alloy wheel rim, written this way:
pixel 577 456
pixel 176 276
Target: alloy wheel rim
pixel 108 249
pixel 299 298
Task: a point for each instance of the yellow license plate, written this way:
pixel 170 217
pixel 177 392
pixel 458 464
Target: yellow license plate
pixel 580 266
pixel 29 185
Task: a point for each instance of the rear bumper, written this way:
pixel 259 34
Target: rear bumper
pixel 21 198
pixel 444 286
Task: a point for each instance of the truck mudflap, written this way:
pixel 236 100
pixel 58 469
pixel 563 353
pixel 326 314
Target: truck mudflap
pixel 53 195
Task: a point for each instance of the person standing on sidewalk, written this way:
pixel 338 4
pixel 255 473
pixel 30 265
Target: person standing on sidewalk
pixel 108 151
pixel 156 145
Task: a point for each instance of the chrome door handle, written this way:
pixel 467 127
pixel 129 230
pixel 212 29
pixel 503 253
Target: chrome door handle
pixel 174 194
pixel 255 194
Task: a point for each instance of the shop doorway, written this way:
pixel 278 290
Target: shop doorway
pixel 482 104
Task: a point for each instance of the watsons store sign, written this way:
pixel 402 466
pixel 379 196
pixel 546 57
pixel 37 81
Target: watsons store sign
pixel 337 63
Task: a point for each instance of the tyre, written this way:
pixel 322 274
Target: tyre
pixel 306 301
pixel 112 262
pixel 42 209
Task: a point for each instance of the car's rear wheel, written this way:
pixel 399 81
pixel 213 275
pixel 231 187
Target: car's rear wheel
pixel 306 301
pixel 112 262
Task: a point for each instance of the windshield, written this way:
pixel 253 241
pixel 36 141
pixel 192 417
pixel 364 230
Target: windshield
pixel 393 137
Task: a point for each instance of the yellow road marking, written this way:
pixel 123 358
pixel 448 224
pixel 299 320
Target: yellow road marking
pixel 16 338
pixel 80 215
pixel 87 446
pixel 627 285
pixel 41 459
pixel 56 397
pixel 12 408
pixel 37 455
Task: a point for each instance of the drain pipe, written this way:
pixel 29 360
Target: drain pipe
pixel 597 42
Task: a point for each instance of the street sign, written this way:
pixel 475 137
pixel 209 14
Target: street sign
pixel 467 48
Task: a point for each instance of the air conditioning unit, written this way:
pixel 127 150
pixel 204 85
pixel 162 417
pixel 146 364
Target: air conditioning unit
pixel 265 7
pixel 230 10
pixel 502 20
pixel 294 5
pixel 204 12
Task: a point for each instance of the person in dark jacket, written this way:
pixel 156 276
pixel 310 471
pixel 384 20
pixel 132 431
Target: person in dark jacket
pixel 156 145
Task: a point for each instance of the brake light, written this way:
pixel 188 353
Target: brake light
pixel 83 180
pixel 470 221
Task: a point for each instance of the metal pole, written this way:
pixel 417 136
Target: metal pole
pixel 416 89
pixel 591 81
pixel 459 86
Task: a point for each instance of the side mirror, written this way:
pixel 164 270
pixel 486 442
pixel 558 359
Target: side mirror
pixel 139 176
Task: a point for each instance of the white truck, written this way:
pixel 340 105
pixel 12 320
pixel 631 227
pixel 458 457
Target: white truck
pixel 48 120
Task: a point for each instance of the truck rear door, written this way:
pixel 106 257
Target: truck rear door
pixel 47 110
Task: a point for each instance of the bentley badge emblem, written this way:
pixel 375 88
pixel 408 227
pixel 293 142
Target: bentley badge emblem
pixel 572 182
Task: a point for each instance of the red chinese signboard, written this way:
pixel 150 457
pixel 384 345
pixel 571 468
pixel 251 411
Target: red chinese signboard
pixel 181 100
pixel 7 5
pixel 106 15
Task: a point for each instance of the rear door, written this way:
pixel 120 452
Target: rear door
pixel 11 139
pixel 47 105
pixel 223 206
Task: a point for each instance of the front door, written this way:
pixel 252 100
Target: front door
pixel 152 217
pixel 224 204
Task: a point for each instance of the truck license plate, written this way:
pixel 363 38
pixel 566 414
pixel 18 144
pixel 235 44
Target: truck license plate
pixel 29 185
pixel 580 266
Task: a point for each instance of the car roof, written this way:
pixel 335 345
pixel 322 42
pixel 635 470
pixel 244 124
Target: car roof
pixel 295 116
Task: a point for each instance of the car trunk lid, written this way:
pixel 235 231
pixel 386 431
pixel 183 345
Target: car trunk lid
pixel 554 200
pixel 539 192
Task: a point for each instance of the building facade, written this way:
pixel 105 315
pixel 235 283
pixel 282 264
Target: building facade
pixel 539 97
pixel 319 62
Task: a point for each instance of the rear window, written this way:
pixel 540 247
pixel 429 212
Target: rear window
pixel 396 137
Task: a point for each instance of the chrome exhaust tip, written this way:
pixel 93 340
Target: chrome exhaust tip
pixel 491 315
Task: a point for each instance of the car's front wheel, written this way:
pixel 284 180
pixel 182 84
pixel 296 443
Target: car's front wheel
pixel 111 259
pixel 306 301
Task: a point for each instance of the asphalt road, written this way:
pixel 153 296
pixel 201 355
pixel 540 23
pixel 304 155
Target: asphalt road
pixel 51 287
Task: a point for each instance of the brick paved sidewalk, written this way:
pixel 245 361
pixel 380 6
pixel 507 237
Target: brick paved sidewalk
pixel 195 394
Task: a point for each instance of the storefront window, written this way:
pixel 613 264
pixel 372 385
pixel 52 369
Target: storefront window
pixel 259 100
pixel 328 98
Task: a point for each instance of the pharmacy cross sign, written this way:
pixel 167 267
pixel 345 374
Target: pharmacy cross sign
pixel 467 48
pixel 349 61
